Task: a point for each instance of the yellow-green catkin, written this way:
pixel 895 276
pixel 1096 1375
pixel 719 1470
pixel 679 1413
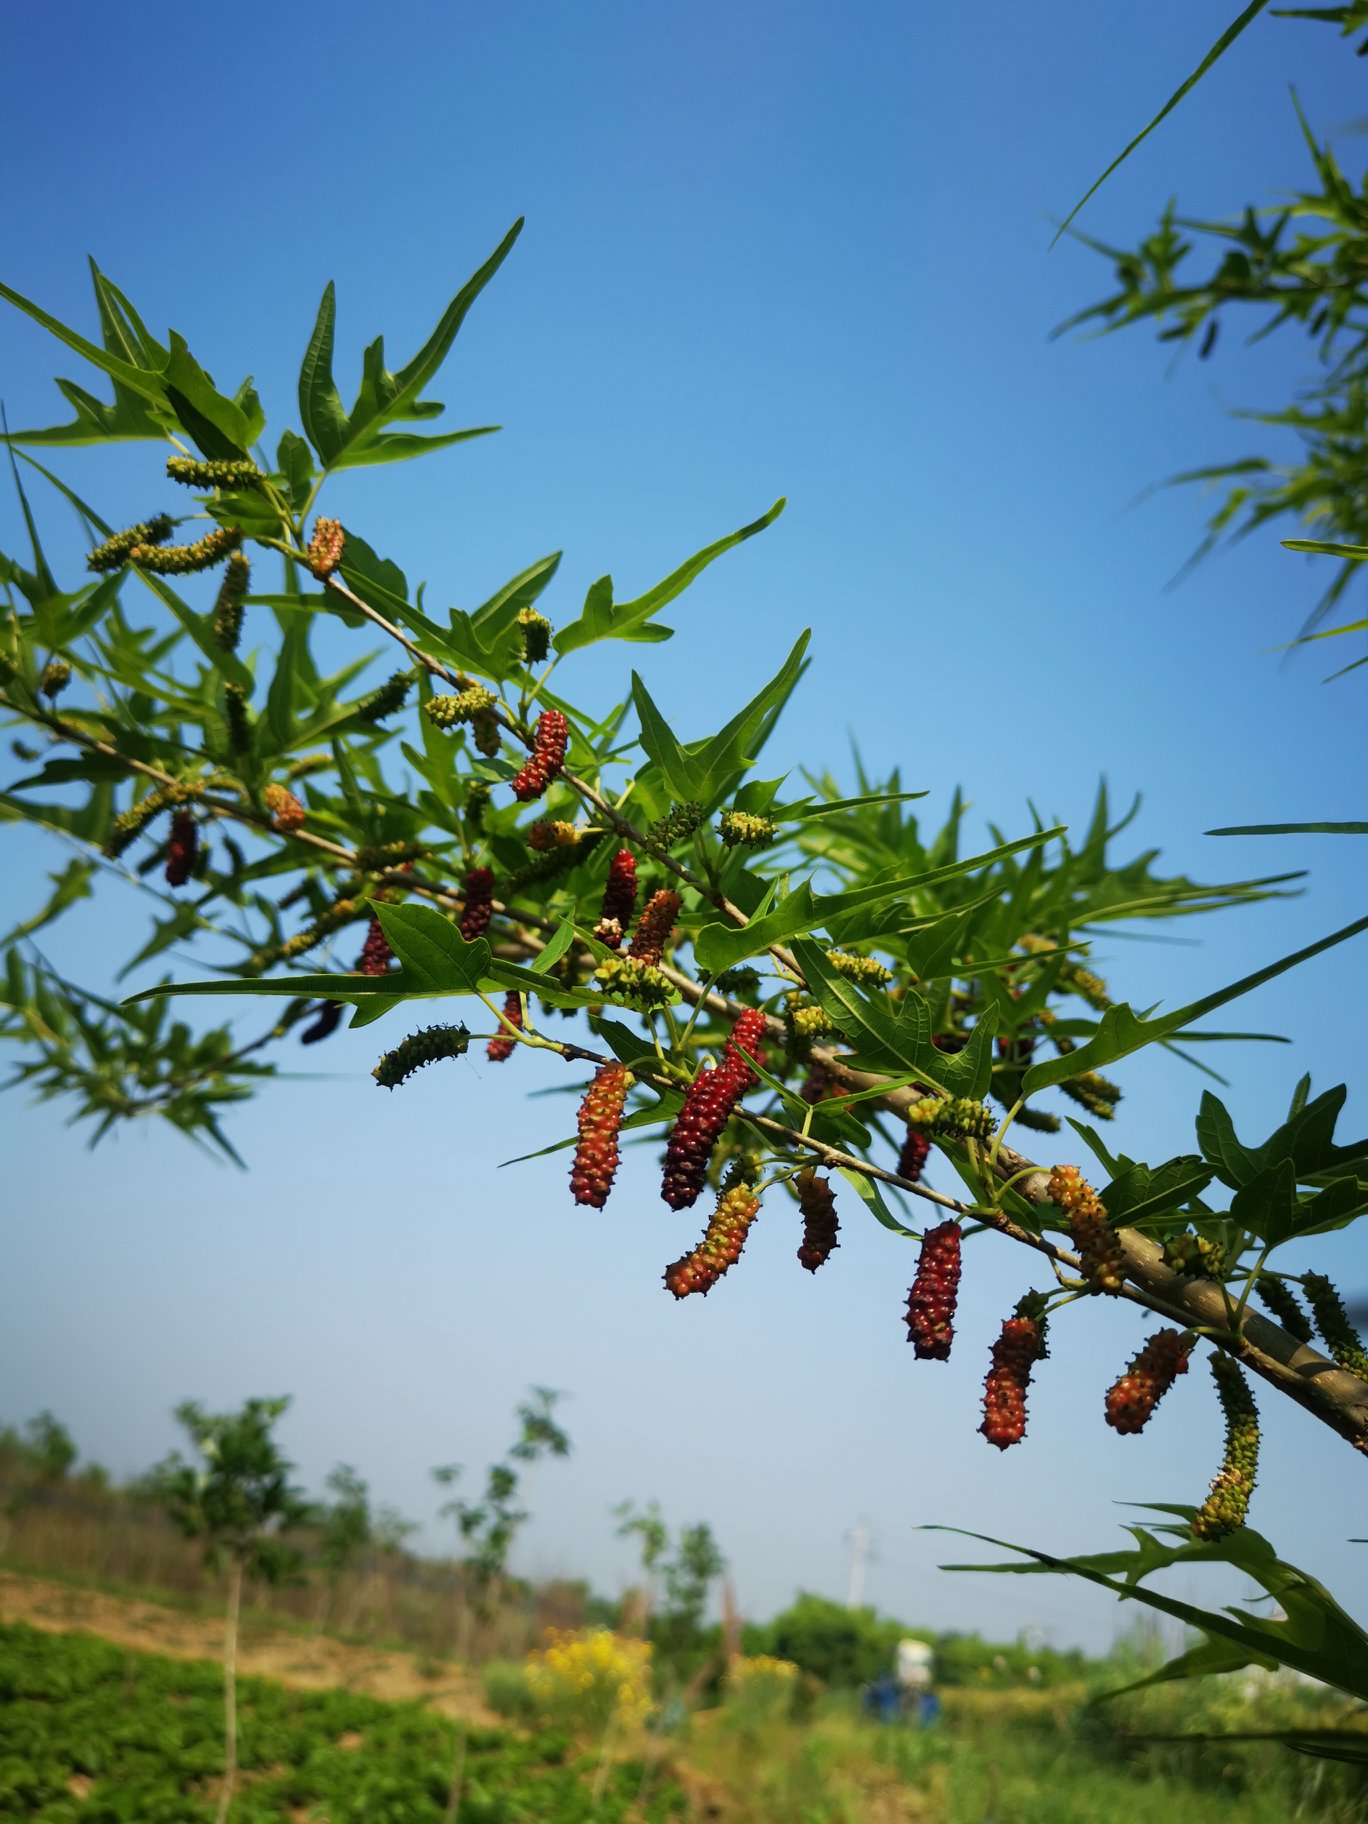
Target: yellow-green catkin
pixel 676 826
pixel 1341 1338
pixel 1279 1298
pixel 536 632
pixel 227 616
pixel 420 1048
pixel 1225 1508
pixel 113 553
pixel 132 822
pixel 1072 978
pixel 1098 1094
pixel 807 1020
pixel 183 560
pixel 237 718
pixel 865 970
pixel 387 699
pixel 743 829
pixel 627 978
pixel 193 473
pixel 56 676
pixel 956 1115
pixel 446 712
pixel 1194 1256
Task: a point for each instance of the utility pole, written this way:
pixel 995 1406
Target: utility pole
pixel 859 1555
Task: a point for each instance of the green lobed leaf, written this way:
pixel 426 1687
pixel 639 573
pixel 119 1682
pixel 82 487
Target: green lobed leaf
pixel 431 948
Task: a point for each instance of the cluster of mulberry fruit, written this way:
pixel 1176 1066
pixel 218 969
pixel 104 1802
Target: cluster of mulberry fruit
pixel 446 712
pixel 916 1149
pixel 324 1023
pixel 287 813
pixel 708 1106
pixel 654 927
pixel 1279 1298
pixel 935 1291
pixel 1016 1351
pixel 817 1201
pixel 742 829
pixel 866 970
pixel 183 849
pixel 237 718
pixel 390 697
pixel 619 900
pixel 1341 1338
pixel 536 632
pixel 325 548
pixel 1104 1265
pixel 191 472
pixel 720 1248
pixel 113 553
pixel 627 978
pixel 676 826
pixel 184 560
pixel 376 955
pixel 807 1021
pixel 549 746
pixel 56 676
pixel 558 834
pixel 600 1118
pixel 1225 1507
pixel 226 621
pixel 420 1048
pixel 1098 1094
pixel 957 1115
pixel 1133 1397
pixel 502 1046
pixel 479 904
pixel 1194 1256
pixel 132 822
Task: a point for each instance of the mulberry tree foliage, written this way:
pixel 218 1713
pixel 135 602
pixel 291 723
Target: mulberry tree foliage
pixel 819 1005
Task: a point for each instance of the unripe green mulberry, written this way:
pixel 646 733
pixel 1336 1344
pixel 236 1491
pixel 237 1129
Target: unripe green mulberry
pixel 446 712
pixel 1225 1508
pixel 807 1020
pixel 817 1201
pixel 1037 1120
pixel 626 978
pixel 1194 1256
pixel 1280 1299
pixel 132 822
pixel 237 718
pixel 1087 986
pixel 1131 1399
pixel 502 1046
pixel 386 857
pixel 418 1049
pixel 741 829
pixel 720 1248
pixel 387 699
pixel 600 1118
pixel 536 632
pixel 287 813
pixel 325 548
pixel 1098 1094
pixel 935 1293
pixel 957 1115
pixel 113 553
pixel 227 615
pixel 485 732
pixel 1020 1346
pixel 553 863
pixel 56 676
pixel 341 912
pixel 559 834
pixel 865 970
pixel 476 804
pixel 676 826
pixel 655 926
pixel 1103 1263
pixel 183 560
pixel 1341 1338
pixel 193 473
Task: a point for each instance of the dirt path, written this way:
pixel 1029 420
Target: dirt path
pixel 312 1662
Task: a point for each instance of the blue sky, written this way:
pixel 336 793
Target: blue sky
pixel 770 250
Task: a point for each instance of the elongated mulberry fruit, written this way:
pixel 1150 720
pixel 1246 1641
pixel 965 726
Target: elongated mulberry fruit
pixel 479 903
pixel 1131 1399
pixel 56 676
pixel 1014 1354
pixel 376 955
pixel 191 472
pixel 287 813
pixel 600 1118
pixel 1098 1094
pixel 549 746
pixel 1341 1338
pixel 1281 1300
pixel 113 553
pixel 708 1106
pixel 324 1023
pixel 183 850
pixel 476 804
pixel 385 700
pixel 720 1248
pixel 1225 1508
pixel 655 926
pixel 237 718
pixel 1103 1263
pixel 485 732
pixel 912 1159
pixel 953 1115
pixel 502 1046
pixel 445 712
pixel 619 900
pixel 183 560
pixel 817 1201
pixel 227 614
pixel 866 970
pixel 935 1290
pixel 536 632
pixel 132 822
pixel 325 547
pixel 418 1049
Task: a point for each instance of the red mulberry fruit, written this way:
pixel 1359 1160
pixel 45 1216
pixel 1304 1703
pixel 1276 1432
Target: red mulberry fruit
pixel 817 1201
pixel 546 759
pixel 916 1149
pixel 376 955
pixel 708 1106
pixel 479 904
pixel 325 547
pixel 931 1302
pixel 287 813
pixel 619 900
pixel 600 1117
pixel 1132 1398
pixel 1015 1353
pixel 721 1246
pixel 183 851
pixel 502 1046
pixel 654 927
pixel 1104 1265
